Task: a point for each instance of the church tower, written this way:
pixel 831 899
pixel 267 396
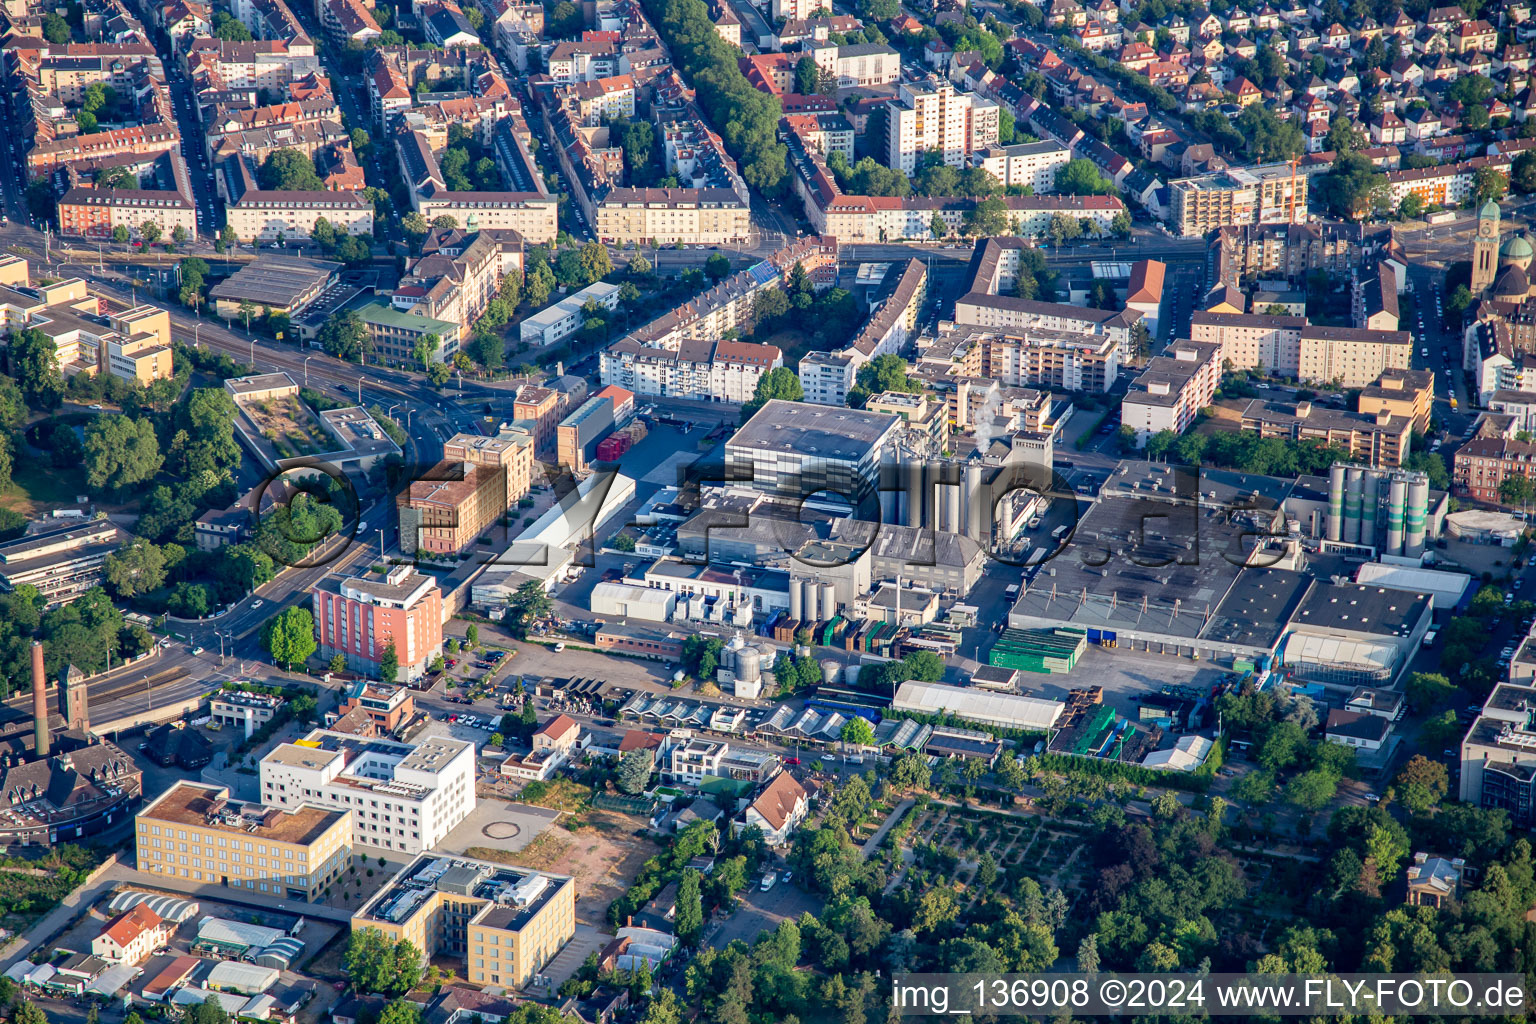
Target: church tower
pixel 1485 248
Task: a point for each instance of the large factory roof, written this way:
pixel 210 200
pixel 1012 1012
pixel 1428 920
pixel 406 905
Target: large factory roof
pixel 816 431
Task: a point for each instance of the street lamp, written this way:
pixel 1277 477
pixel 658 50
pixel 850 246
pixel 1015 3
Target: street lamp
pixel 306 370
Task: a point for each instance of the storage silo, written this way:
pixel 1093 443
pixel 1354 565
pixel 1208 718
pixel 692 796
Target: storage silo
pixel 1354 492
pixel 830 670
pixel 1415 514
pixel 1336 502
pixel 952 521
pixel 749 665
pixel 1370 502
pixel 812 602
pixel 796 604
pixel 977 514
pixel 1397 497
pixel 828 600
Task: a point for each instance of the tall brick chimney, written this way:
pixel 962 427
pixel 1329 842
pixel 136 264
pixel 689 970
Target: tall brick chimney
pixel 39 699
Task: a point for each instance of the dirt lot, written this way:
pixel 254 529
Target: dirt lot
pixel 603 854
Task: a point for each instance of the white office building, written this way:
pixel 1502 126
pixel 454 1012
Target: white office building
pixel 403 797
pixel 554 323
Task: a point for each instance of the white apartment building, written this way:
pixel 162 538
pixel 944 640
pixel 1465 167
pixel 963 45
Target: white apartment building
pixel 1028 163
pixel 403 797
pixel 862 64
pixel 553 323
pixel 933 114
pixel 267 215
pixel 799 10
pixel 1173 389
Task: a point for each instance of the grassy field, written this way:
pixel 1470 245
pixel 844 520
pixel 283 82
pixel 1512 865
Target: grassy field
pixel 37 485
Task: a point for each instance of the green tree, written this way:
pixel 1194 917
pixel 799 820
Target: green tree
pixel 120 453
pixel 229 28
pixel 858 732
pixel 807 76
pixel 1489 183
pixel 1312 790
pixel 289 170
pixel 389 663
pixel 120 234
pixel 1426 691
pixel 937 226
pixel 1421 784
pixel 688 922
pixel 56 31
pixel 1353 186
pixel 1081 177
pixel 717 267
pixel 529 603
pixel 135 569
pixel 32 358
pixel 780 383
pixel 634 771
pixel 345 336
pixel 376 963
pixel 989 217
pixel 290 636
pixel 882 373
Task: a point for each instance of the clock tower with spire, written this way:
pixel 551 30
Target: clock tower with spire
pixel 1485 248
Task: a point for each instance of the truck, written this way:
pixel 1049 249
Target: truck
pixel 1059 532
pixel 1012 593
pixel 768 881
pixel 1430 637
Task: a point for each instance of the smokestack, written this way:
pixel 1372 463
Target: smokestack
pixel 39 699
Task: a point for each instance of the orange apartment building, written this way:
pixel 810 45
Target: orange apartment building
pixel 93 213
pixel 143 140
pixel 358 618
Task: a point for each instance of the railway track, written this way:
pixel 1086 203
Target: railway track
pixel 19 708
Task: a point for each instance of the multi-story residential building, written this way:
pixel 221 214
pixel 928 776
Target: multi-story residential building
pixel 703 216
pixel 61 561
pixel 1035 357
pixel 1483 463
pixel 1026 163
pixel 827 377
pixel 777 811
pixel 96 213
pixel 1406 394
pixel 1173 389
pixel 799 10
pixel 693 760
pixel 347 22
pixel 1443 184
pixel 531 213
pixel 143 140
pixel 1251 341
pixel 600 99
pixel 196 833
pixel 265 216
pixel 359 617
pixel 1380 440
pixel 1352 357
pixel 255 64
pixel 401 796
pixel 824 132
pixel 505 924
pixel 1236 196
pixel 932 115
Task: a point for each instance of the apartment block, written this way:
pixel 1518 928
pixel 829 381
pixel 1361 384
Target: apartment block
pixel 399 796
pixel 1026 163
pixel 1236 196
pixel 1405 394
pixel 197 833
pixel 1173 389
pixel 693 216
pixel 934 115
pixel 1380 440
pixel 358 618
pixel 1351 357
pixel 1483 463
pixel 96 213
pixel 265 216
pixel 505 924
pixel 1252 340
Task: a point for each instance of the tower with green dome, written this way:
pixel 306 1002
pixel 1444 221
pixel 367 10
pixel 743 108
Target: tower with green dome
pixel 1485 248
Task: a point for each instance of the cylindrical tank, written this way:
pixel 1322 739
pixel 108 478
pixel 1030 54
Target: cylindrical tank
pixel 1415 514
pixel 1354 491
pixel 796 604
pixel 978 514
pixel 830 670
pixel 749 665
pixel 828 600
pixel 1397 499
pixel 890 505
pixel 952 521
pixel 1336 502
pixel 917 486
pixel 811 602
pixel 1369 500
